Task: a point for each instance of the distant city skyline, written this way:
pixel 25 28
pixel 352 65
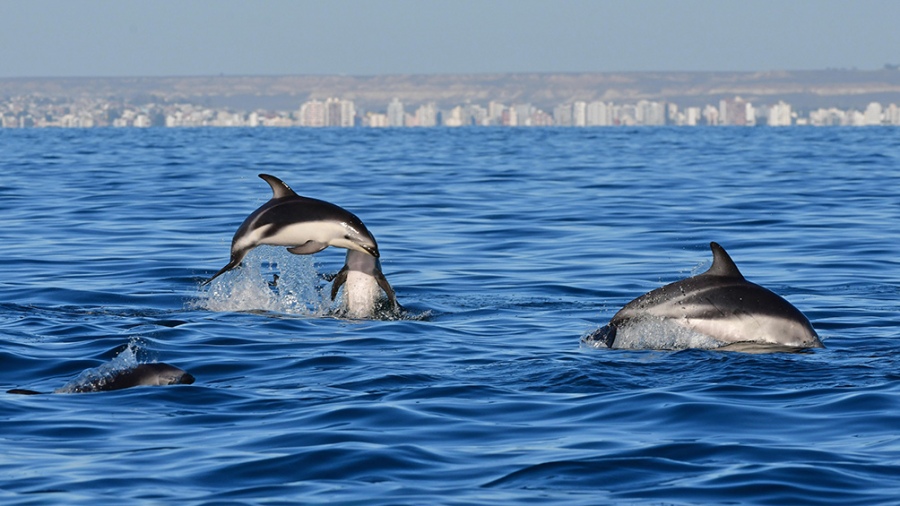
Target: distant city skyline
pixel 42 112
pixel 62 38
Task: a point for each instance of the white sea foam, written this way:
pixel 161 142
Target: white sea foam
pixel 652 333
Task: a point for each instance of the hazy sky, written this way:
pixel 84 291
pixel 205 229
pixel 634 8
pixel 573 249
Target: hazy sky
pixel 364 37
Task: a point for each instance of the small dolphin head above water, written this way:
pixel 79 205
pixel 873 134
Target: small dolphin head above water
pixel 363 281
pixel 304 225
pixel 716 308
pixel 154 374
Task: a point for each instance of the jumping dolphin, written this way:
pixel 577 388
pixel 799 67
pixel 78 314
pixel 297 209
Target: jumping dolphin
pixel 716 308
pixel 363 281
pixel 304 225
pixel 156 374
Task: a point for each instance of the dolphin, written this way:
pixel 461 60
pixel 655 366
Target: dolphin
pixel 303 224
pixel 361 278
pixel 155 374
pixel 717 309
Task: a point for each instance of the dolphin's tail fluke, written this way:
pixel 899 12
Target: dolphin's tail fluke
pixel 22 391
pixel 231 265
pixel 605 334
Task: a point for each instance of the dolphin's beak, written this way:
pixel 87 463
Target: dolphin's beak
pixel 363 243
pixel 371 249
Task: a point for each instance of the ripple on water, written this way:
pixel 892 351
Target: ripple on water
pixel 505 246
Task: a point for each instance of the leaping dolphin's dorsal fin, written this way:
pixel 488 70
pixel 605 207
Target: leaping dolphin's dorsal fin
pixel 722 264
pixel 280 189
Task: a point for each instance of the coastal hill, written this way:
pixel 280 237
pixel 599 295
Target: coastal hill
pixel 803 89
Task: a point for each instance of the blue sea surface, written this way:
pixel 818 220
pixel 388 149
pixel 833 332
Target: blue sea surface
pixel 506 247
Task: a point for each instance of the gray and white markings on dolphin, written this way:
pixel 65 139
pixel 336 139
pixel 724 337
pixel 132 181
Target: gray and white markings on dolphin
pixel 155 374
pixel 363 282
pixel 305 225
pixel 719 305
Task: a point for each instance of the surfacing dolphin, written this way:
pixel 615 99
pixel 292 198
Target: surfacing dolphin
pixel 363 282
pixel 715 309
pixel 303 224
pixel 155 374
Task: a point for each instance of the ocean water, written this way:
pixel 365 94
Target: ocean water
pixel 506 247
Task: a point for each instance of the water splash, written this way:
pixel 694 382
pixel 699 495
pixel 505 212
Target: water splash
pixel 653 333
pixel 269 279
pixel 272 280
pixel 93 379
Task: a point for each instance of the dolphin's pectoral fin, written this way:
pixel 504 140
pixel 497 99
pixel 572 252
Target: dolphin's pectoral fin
pixel 339 280
pixel 308 248
pixel 383 283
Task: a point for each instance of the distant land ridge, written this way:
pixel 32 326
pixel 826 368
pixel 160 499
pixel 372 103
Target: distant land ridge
pixel 804 89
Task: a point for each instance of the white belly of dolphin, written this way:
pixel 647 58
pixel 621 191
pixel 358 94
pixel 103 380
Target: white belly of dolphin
pixel 758 328
pixel 661 333
pixel 331 233
pixel 360 295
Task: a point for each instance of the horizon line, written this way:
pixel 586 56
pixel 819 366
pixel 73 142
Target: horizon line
pixel 885 68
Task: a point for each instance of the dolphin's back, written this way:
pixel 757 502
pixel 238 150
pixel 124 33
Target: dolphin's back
pixel 720 304
pixel 283 212
pixel 155 374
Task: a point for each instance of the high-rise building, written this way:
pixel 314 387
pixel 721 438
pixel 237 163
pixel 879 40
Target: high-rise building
pixel 453 117
pixel 348 113
pixel 650 113
pixel 510 117
pixel 396 114
pixel 598 114
pixel 673 116
pixel 523 114
pixel 332 112
pixel 474 114
pixel 892 115
pixel 873 114
pixel 312 114
pixel 579 114
pixel 495 112
pixel 426 115
pixel 780 114
pixel 710 115
pixel 375 120
pixel 736 111
pixel 562 115
pixel 692 116
pixel 540 118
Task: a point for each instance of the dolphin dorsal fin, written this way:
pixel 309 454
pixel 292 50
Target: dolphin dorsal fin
pixel 722 264
pixel 280 189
